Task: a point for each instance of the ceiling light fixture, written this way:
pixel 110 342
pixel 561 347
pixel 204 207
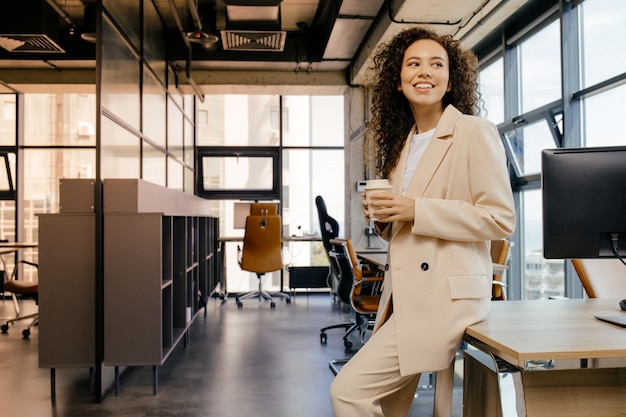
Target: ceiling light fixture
pixel 205 39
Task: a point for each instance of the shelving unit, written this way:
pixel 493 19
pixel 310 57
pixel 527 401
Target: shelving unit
pixel 159 256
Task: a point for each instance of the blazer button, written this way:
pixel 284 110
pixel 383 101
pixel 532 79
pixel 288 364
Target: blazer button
pixel 424 266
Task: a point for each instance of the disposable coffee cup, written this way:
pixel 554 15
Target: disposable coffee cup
pixel 373 187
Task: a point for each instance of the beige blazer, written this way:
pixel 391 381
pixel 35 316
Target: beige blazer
pixel 439 267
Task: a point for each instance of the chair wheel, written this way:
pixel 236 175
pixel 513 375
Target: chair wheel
pixel 239 304
pixel 26 333
pixel 288 300
pixel 347 344
pixel 273 304
pixel 323 338
pixel 4 328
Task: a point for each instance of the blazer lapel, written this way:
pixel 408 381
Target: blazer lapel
pixel 426 169
pixel 434 154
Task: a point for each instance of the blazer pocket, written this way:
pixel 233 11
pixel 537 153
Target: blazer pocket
pixel 469 286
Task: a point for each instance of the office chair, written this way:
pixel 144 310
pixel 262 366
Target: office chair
pixel 25 289
pixel 602 278
pixel 500 250
pixel 360 289
pixel 262 250
pixel 329 229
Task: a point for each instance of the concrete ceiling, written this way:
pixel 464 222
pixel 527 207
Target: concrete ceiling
pixel 311 42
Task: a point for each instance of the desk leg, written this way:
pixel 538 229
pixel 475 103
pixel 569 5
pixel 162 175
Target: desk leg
pixel 53 385
pixel 491 387
pixel 155 380
pixel 511 388
pixel 117 381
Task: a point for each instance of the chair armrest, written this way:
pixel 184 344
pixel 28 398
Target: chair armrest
pixel 365 280
pixel 371 272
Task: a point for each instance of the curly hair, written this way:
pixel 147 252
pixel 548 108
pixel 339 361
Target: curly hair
pixel 392 118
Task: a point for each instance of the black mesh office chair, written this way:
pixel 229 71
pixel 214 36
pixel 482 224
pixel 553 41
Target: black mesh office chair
pixel 329 229
pixel 359 288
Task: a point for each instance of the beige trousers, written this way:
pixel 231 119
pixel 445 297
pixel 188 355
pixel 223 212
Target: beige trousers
pixel 370 384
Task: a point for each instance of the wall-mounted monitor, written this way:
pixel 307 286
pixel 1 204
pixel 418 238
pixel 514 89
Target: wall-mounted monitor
pixel 584 202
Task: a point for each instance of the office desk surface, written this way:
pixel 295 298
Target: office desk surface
pixel 520 331
pixel 374 258
pixel 285 239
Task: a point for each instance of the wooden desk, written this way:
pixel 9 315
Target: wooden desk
pixel 18 245
pixel 221 289
pixel 285 239
pixel 546 358
pixel 377 259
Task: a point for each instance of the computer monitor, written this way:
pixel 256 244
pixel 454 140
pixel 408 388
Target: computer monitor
pixel 240 213
pixel 584 202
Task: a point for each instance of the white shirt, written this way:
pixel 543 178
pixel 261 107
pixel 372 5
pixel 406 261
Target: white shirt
pixel 419 143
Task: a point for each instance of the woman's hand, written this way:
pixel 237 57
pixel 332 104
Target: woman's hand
pixel 389 207
pixel 365 208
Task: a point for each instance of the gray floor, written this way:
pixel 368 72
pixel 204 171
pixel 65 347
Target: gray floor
pixel 249 362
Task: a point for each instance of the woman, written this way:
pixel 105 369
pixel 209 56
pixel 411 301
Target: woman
pixel 450 197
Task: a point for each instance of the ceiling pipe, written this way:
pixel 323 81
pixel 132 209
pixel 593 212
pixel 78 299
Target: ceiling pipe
pixel 207 40
pixel 64 15
pixel 193 9
pixel 183 33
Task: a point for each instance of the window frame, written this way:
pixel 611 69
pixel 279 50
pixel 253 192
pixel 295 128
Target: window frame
pixel 272 152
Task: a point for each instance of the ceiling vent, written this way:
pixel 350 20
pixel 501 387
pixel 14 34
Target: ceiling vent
pixel 29 43
pixel 29 26
pixel 253 25
pixel 251 40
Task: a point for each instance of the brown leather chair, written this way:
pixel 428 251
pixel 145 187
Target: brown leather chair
pixel 28 289
pixel 358 288
pixel 262 250
pixel 602 278
pixel 499 256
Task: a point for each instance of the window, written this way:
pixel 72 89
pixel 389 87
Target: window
pixel 540 68
pixel 605 124
pixel 313 121
pixel 287 149
pixel 522 90
pixel 7 119
pixel 251 173
pixel 62 120
pixel 7 176
pixel 542 278
pixel 525 142
pixel 239 120
pixel 491 87
pixel 603 34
